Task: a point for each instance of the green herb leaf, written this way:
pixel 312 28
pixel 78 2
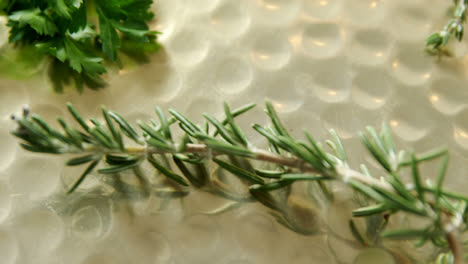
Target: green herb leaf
pixel 36 19
pixel 65 31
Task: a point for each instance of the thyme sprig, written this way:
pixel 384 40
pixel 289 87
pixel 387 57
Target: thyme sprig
pixel 453 29
pixel 288 160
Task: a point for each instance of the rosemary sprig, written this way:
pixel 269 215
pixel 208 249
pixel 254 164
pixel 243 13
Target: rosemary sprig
pixel 453 29
pixel 287 161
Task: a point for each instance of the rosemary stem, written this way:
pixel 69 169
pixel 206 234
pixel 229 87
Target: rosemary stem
pixel 344 173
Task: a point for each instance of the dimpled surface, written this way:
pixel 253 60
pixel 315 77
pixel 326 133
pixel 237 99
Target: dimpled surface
pixel 324 64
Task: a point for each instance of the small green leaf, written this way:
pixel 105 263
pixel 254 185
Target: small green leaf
pixel 164 123
pixel 197 181
pixel 115 134
pixel 304 177
pixel 318 149
pixel 234 127
pixel 279 127
pixel 376 152
pixel 271 185
pixel 244 174
pixel 184 121
pixel 126 128
pixel 440 179
pixel 370 210
pixel 430 155
pixel 366 190
pixel 224 148
pixel 266 199
pixel 152 132
pixel 81 160
pixel 417 179
pixel 119 168
pixel 88 170
pixel 339 145
pixel 109 36
pixel 397 202
pixel 272 174
pixel 221 129
pixel 171 175
pixel 36 20
pixel 237 112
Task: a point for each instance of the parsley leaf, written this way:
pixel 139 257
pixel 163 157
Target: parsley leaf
pixel 36 19
pixel 66 32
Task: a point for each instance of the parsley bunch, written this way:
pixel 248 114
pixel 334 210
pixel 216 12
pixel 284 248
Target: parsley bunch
pixel 81 36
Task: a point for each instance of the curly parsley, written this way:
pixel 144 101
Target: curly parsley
pixel 81 36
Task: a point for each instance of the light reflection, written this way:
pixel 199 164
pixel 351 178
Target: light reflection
pixel 373 4
pixel 323 3
pixel 295 40
pixel 332 93
pixel 434 98
pixel 395 64
pixel 269 6
pixel 379 54
pixel 427 75
pixel 263 56
pixel 378 100
pixel 462 134
pixel 319 43
pixel 394 123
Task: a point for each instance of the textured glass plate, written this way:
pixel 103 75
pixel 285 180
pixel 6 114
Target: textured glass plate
pixel 340 64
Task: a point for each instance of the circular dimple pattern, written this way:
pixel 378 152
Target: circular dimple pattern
pixel 316 254
pixel 374 255
pixel 189 47
pixel 87 222
pixel 239 261
pixel 270 51
pixel 323 63
pixel 8 247
pixel 447 95
pixel 14 97
pixel 152 247
pixel 460 129
pixel 34 178
pixel 164 86
pixel 332 81
pixel 322 8
pixel 200 6
pixel 233 75
pixel 365 12
pixel 165 11
pixel 370 47
pixel 197 235
pixel 5 200
pixel 410 23
pixel 411 65
pixel 285 96
pixel 252 229
pixel 344 118
pixel 321 40
pixel 101 259
pixel 409 123
pixel 43 225
pixel 275 12
pixel 7 155
pixel 371 88
pixel 230 19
